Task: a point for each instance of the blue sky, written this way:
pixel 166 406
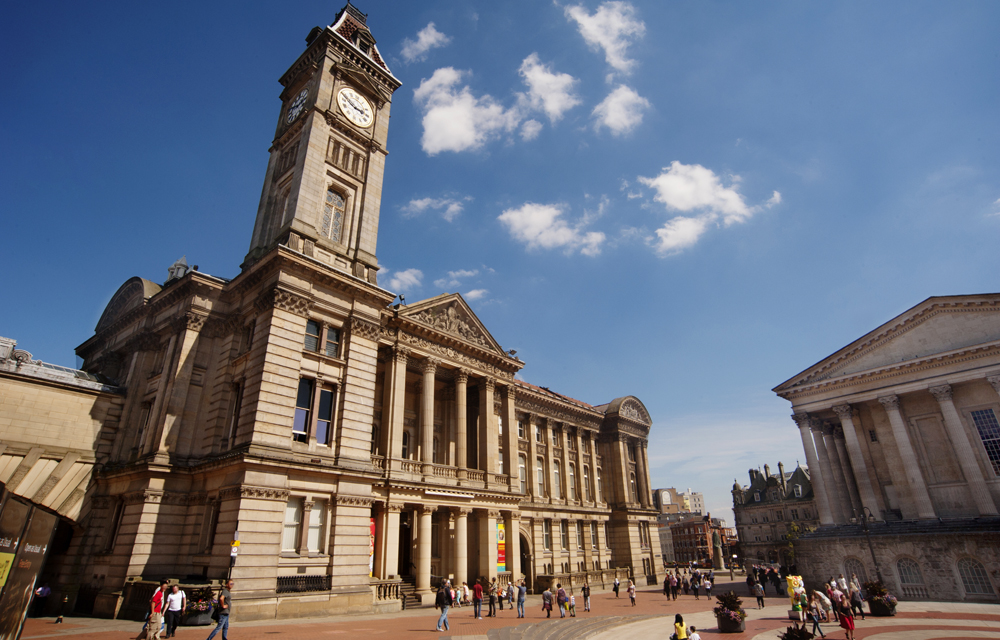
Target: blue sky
pixel 687 202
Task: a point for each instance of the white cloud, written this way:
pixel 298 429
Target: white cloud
pixel 613 27
pixel 449 207
pixel 549 92
pixel 530 129
pixel 455 278
pixel 540 226
pixel 694 188
pixel 476 294
pixel 456 120
pixel 621 111
pixel 406 281
pixel 427 38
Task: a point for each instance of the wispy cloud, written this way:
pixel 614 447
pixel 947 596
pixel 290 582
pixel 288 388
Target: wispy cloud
pixel 541 226
pixel 406 280
pixel 454 278
pixel 694 188
pixel 476 294
pixel 621 111
pixel 449 207
pixel 427 38
pixel 612 28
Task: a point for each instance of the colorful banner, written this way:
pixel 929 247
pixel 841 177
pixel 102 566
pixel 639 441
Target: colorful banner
pixel 371 546
pixel 28 563
pixel 501 548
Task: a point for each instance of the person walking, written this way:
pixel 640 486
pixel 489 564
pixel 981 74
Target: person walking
pixel 443 602
pixel 666 586
pixel 561 600
pixel 846 617
pixel 225 608
pixel 493 599
pixel 842 583
pixel 615 588
pixel 511 594
pixel 694 586
pixel 694 633
pixel 707 583
pixel 477 600
pixel 680 631
pixel 758 592
pixel 824 603
pixel 686 585
pixel 857 601
pixel 572 606
pixel 815 612
pixel 155 620
pixel 675 583
pixel 585 592
pixel 547 602
pixel 631 592
pixel 522 592
pixel 502 595
pixel 176 603
pixel 466 599
pixel 751 581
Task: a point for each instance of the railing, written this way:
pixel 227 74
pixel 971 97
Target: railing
pixel 477 475
pixel 442 471
pixel 303 584
pixel 914 592
pixel 386 590
pixel 502 480
pixel 412 466
pixel 378 462
pixel 504 578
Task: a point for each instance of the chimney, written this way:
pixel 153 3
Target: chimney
pixel 781 472
pixel 767 472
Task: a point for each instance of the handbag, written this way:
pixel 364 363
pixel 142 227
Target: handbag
pixel 215 614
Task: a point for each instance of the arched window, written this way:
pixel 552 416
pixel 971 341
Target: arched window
pixel 406 445
pixel 522 472
pixel 586 483
pixel 632 489
pixel 333 214
pixel 910 578
pixel 974 578
pixel 556 479
pixel 854 567
pixel 572 481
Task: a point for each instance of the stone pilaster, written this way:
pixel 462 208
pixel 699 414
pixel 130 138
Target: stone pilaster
pixel 533 487
pixel 510 437
pixel 394 403
pixel 488 542
pixel 911 467
pixel 963 450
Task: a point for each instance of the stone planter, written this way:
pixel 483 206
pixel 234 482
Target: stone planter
pixel 197 618
pixel 728 625
pixel 880 609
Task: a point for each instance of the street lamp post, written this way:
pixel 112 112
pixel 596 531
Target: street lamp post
pixel 866 516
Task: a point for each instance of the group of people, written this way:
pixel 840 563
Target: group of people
pixel 682 632
pixel 674 583
pixel 449 596
pixel 837 601
pixel 760 576
pixel 629 589
pixel 167 606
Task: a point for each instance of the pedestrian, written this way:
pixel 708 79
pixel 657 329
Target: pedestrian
pixel 547 602
pixel 493 599
pixel 833 595
pixel 707 583
pixel 666 586
pixel 815 613
pixel 156 612
pixel 855 584
pixel 694 633
pixel 561 600
pixel 477 600
pixel 631 592
pixel 842 583
pixel 511 594
pixel 751 581
pixel 466 598
pixel 40 602
pixel 694 586
pixel 675 583
pixel 846 617
pixel 443 602
pixel 758 592
pixel 680 631
pixel 615 588
pixel 572 606
pixel 585 592
pixel 225 608
pixel 686 585
pixel 522 592
pixel 501 594
pixel 857 601
pixel 176 603
pixel 825 604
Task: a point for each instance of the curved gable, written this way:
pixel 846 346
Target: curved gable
pixel 129 296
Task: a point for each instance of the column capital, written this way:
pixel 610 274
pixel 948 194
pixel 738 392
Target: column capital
pixel 392 507
pixel 400 354
pixel 815 424
pixel 426 509
pixel 942 393
pixel 801 420
pixel 461 512
pixel 487 383
pixel 508 391
pixel 844 411
pixel 462 376
pixel 429 365
pixel 890 402
pixel 493 513
pixel 995 381
pixel 307 505
pixel 515 515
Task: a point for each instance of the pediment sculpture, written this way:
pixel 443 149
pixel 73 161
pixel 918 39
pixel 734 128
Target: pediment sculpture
pixel 450 318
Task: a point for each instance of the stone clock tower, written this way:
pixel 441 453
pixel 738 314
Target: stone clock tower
pixel 323 186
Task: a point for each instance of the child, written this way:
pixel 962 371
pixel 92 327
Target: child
pixel 694 635
pixel 572 606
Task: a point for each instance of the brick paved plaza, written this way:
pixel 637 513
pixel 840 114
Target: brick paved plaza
pixel 611 618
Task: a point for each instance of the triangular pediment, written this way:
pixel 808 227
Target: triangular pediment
pixel 450 314
pixel 938 325
pixel 357 78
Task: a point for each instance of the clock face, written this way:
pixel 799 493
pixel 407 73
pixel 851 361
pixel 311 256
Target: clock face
pixel 297 106
pixel 357 109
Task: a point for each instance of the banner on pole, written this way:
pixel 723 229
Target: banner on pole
pixel 501 548
pixel 371 546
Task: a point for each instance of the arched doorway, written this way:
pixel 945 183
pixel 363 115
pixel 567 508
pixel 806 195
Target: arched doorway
pixel 526 568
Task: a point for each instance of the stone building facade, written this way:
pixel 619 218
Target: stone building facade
pixel 771 512
pixel 355 448
pixel 900 428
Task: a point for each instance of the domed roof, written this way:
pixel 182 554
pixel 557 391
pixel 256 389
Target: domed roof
pixel 129 296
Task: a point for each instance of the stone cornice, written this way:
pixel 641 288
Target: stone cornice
pixel 460 353
pixel 534 403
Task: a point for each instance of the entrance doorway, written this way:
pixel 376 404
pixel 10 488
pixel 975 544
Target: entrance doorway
pixel 405 544
pixel 526 568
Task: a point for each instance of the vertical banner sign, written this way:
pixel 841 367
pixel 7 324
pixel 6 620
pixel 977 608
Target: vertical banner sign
pixel 27 565
pixel 12 519
pixel 501 548
pixel 371 547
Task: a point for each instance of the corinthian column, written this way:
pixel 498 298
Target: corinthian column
pixel 829 473
pixel 461 545
pixel 802 420
pixel 424 551
pixel 857 457
pixel 461 424
pixel 911 468
pixel 843 494
pixel 966 456
pixel 427 416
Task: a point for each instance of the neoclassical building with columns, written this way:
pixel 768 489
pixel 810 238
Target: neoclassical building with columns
pixel 355 449
pixel 900 429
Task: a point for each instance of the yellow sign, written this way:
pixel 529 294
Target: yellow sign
pixel 236 543
pixel 6 560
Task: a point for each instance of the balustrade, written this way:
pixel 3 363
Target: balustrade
pixel 477 475
pixel 443 471
pixel 386 589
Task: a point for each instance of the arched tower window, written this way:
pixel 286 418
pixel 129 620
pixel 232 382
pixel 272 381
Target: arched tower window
pixel 334 209
pixel 974 578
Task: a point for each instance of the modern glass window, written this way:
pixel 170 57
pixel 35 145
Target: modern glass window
pixel 522 472
pixel 989 431
pixel 313 332
pixel 540 475
pixel 556 479
pixel 572 481
pixel 564 533
pixel 593 535
pixel 303 411
pixel 317 526
pixel 586 483
pixel 579 535
pixel 292 533
pixel 547 534
pixel 333 214
pixel 324 416
pixel 974 577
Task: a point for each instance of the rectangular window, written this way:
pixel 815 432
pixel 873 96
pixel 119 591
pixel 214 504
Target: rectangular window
pixel 555 438
pixel 572 481
pixel 585 445
pixel 795 514
pixel 872 435
pixel 116 523
pixel 556 479
pixel 607 536
pixel 324 416
pixel 303 411
pixel 564 533
pixel 579 535
pixel 317 526
pixel 247 340
pixel 522 472
pixel 547 534
pixel 211 526
pixel 600 485
pixel 332 342
pixel 540 476
pixel 538 433
pixel 234 417
pixel 520 429
pixel 571 442
pixel 797 489
pixel 586 483
pixel 989 431
pixel 312 335
pixel 593 535
pixel 292 533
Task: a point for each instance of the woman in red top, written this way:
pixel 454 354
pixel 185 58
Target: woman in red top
pixel 477 600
